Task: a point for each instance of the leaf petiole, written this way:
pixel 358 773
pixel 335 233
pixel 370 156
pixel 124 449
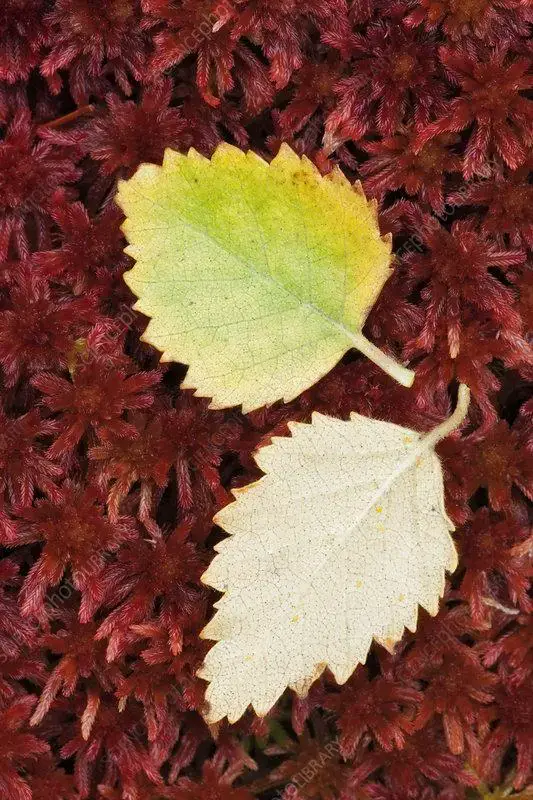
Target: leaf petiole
pixel 388 364
pixel 453 421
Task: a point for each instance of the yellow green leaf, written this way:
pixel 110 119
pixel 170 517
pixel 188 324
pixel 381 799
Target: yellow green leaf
pixel 258 276
pixel 338 544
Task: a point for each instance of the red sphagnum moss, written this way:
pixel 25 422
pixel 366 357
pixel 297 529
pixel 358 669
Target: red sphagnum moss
pixel 110 474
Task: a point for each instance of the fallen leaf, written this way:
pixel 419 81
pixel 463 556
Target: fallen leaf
pixel 338 544
pixel 258 276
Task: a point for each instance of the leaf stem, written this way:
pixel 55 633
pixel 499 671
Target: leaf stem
pixel 453 421
pixel 64 120
pixel 388 364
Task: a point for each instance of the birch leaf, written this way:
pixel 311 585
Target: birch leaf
pixel 258 276
pixel 338 544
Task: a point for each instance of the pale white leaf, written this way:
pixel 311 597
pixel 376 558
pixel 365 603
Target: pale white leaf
pixel 337 545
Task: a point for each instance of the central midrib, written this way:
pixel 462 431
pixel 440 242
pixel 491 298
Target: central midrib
pixel 267 278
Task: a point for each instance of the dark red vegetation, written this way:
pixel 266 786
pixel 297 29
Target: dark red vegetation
pixel 110 474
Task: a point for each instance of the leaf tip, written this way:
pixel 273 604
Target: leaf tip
pixel 337 176
pixel 226 152
pixel 172 158
pixel 286 152
pixel 194 155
